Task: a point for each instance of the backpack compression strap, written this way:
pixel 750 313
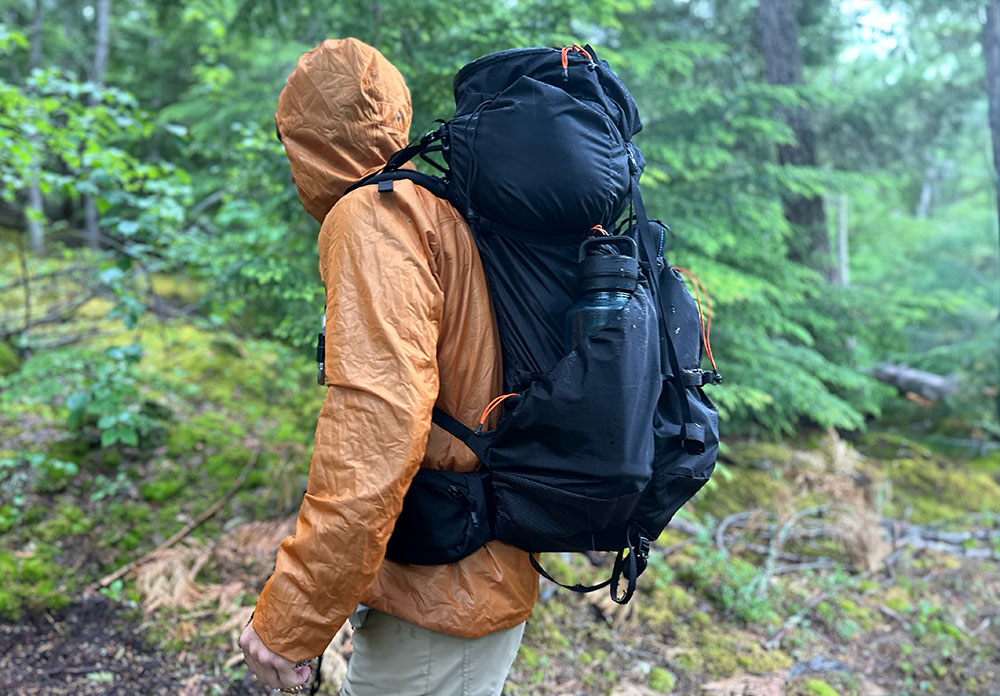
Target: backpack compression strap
pixel 391 172
pixel 384 181
pixel 692 434
pixel 632 564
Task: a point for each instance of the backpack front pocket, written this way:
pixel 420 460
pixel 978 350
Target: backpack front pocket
pixel 445 518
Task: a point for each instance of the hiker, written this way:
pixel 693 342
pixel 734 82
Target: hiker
pixel 410 325
pixel 586 353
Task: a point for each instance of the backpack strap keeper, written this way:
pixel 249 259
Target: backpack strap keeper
pixel 699 378
pixel 693 438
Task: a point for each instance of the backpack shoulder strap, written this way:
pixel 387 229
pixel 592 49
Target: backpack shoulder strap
pixel 384 181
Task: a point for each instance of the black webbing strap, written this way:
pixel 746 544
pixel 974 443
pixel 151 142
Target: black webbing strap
pixel 692 435
pixel 452 425
pixel 630 559
pixel 574 588
pixel 431 183
pixel 390 172
pixel 401 157
pixel 318 679
pixel 636 560
pixel 473 440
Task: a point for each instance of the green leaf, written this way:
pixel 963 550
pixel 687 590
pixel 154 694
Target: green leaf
pixel 129 436
pixel 127 228
pixel 110 437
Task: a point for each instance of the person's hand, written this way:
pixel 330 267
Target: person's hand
pixel 270 668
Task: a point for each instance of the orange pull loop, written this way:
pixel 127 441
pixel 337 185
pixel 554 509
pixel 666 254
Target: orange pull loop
pixel 600 230
pixel 577 49
pixel 706 315
pixel 489 409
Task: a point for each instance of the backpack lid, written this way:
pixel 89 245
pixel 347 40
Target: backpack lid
pixel 541 141
pixel 484 78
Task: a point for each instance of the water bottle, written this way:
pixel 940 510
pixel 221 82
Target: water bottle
pixel 605 283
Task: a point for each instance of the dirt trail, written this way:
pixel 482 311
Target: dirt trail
pixel 90 649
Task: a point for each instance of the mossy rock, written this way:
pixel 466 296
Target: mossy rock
pixel 10 362
pixel 748 489
pixel 661 680
pixel 34 582
pixel 722 652
pixel 166 486
pixel 761 455
pixel 939 491
pixel 818 687
pixel 884 445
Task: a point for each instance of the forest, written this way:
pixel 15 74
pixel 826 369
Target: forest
pixel 830 170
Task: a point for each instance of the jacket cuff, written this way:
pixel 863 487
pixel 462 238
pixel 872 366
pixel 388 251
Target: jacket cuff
pixel 295 643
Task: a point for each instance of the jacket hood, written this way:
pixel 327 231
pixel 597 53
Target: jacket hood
pixel 343 112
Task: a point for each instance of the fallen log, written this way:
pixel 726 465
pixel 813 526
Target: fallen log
pixel 925 384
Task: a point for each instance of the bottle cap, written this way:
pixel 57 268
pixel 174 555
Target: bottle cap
pixel 603 270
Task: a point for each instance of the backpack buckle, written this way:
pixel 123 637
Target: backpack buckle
pixel 700 378
pixel 693 438
pixel 642 551
pixel 633 165
pixel 321 354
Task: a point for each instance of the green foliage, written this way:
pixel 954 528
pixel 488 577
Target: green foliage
pixel 36 472
pixel 9 360
pixel 733 584
pixel 73 136
pixel 892 124
pixel 96 388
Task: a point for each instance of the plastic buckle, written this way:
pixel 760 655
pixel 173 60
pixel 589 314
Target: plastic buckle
pixel 693 378
pixel 643 549
pixel 693 438
pixel 633 166
pixel 321 355
pixel 385 186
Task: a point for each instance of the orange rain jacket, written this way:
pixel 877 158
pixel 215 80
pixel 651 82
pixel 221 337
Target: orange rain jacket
pixel 409 325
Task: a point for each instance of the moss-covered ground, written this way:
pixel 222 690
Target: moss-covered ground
pixel 813 567
pixel 844 609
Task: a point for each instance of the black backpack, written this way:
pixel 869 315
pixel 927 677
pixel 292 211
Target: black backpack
pixel 599 442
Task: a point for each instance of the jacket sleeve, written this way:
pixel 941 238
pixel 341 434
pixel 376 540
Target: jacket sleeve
pixel 383 311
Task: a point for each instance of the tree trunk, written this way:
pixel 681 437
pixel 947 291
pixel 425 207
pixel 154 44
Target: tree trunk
pixel 843 244
pixel 991 49
pixel 376 22
pixel 783 66
pixel 92 227
pixel 36 204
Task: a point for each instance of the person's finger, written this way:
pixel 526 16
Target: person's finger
pixel 262 668
pixel 273 678
pixel 288 675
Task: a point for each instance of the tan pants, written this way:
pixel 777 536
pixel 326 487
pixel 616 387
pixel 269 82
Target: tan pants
pixel 393 657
